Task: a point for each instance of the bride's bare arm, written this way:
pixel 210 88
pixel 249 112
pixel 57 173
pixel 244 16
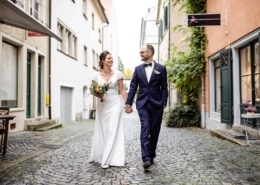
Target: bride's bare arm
pixel 122 89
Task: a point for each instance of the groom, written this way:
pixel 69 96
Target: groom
pixel 151 78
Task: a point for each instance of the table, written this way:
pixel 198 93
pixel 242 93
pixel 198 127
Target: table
pixel 251 116
pixel 7 118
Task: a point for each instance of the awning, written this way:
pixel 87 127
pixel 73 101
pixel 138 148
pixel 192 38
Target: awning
pixel 13 15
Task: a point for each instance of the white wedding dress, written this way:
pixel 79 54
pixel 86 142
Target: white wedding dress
pixel 108 139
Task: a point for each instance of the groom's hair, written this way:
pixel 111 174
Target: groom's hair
pixel 150 47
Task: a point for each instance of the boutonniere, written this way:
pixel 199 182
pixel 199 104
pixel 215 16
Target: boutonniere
pixel 156 72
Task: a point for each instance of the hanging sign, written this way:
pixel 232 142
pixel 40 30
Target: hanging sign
pixel 34 34
pixel 203 20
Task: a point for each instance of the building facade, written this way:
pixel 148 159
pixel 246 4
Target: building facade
pixel 232 70
pixel 75 58
pixel 110 32
pixel 24 59
pixel 169 16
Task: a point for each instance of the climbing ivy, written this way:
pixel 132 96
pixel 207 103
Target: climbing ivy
pixel 185 68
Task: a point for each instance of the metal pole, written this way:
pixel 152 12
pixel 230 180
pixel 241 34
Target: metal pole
pixel 203 114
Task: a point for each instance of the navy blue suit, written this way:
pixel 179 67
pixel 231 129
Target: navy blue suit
pixel 151 100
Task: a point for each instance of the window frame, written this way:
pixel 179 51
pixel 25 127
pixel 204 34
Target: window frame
pixel 69 41
pixel 250 45
pixel 17 72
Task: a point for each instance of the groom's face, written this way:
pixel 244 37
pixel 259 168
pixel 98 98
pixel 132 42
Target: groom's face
pixel 145 53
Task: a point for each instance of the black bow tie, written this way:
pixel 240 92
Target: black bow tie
pixel 146 65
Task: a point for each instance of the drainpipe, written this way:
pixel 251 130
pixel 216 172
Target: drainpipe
pixel 169 45
pixel 203 114
pixel 49 107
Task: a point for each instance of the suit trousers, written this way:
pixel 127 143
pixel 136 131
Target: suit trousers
pixel 151 119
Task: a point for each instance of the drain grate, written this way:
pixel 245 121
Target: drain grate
pixel 51 146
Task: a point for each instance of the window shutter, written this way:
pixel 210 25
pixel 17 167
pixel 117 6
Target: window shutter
pixel 166 17
pixel 161 29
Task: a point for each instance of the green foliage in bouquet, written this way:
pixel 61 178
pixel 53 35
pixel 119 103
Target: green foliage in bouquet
pixel 99 88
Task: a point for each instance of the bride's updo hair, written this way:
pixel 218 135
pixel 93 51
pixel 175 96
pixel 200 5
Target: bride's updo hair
pixel 102 57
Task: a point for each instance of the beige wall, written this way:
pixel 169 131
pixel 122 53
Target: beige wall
pixel 37 46
pixel 241 20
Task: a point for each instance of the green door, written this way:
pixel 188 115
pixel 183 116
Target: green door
pixel 39 88
pixel 226 84
pixel 28 88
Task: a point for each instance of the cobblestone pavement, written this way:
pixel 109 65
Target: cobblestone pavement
pixel 187 156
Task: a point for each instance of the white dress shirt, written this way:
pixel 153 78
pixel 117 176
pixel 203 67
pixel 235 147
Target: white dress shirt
pixel 149 71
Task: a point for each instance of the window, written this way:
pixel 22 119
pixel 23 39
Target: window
pixel 245 74
pixel 250 73
pixel 93 21
pixel 99 35
pixel 97 61
pixel 9 73
pixel 19 3
pixel 161 30
pixel 85 57
pixel 166 19
pixel 69 41
pixel 75 46
pixel 84 8
pixel 94 58
pixel 67 44
pixel 60 31
pixel 217 85
pixel 37 10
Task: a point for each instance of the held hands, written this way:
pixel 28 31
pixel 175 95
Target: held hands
pixel 128 109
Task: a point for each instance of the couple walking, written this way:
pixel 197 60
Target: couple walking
pixel 150 80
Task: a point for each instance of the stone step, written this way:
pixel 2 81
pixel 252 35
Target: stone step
pixel 39 124
pixel 56 125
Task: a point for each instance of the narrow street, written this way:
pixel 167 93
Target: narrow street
pixel 184 156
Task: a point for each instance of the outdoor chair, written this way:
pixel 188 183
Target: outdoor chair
pixel 3 111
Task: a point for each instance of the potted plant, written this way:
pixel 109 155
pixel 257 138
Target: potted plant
pixel 251 109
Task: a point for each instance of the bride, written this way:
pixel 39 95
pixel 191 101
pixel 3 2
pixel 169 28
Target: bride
pixel 108 140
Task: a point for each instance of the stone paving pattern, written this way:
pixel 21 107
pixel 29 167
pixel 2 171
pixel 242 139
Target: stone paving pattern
pixel 185 156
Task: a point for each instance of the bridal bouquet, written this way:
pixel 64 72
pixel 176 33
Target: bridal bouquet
pixel 99 88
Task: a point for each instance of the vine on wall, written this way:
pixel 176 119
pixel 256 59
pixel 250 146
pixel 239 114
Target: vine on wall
pixel 185 68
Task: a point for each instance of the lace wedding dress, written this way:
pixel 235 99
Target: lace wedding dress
pixel 108 139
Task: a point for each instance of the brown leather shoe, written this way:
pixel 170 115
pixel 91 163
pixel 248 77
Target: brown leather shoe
pixel 147 164
pixel 152 161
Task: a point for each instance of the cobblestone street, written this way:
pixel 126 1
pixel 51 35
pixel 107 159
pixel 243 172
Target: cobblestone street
pixel 185 156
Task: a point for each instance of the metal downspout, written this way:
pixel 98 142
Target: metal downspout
pixel 50 15
pixel 169 47
pixel 203 114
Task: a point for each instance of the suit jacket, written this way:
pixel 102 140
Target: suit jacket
pixel 156 90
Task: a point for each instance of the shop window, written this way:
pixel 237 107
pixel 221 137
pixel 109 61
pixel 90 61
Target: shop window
pixel 250 74
pixel 9 72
